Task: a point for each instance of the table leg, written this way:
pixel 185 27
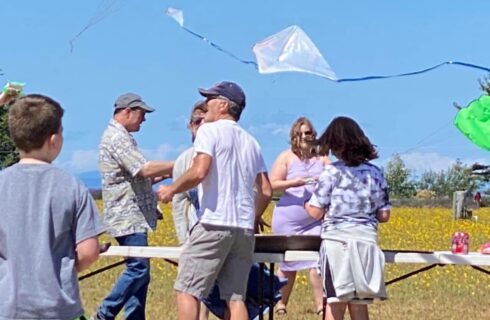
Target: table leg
pixel 261 290
pixel 272 291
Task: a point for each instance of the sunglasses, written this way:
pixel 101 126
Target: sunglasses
pixel 307 133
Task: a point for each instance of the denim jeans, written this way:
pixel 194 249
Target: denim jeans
pixel 131 287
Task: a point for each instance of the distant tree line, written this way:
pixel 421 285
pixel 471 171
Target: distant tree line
pixel 437 184
pixel 431 184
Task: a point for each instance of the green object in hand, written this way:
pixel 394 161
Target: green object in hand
pixel 474 121
pixel 17 86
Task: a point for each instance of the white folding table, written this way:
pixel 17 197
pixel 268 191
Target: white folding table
pixel 431 258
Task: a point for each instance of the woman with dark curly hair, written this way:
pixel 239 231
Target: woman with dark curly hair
pixel 352 198
pixel 294 173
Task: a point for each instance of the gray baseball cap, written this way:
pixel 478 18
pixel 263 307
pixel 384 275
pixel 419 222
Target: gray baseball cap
pixel 131 100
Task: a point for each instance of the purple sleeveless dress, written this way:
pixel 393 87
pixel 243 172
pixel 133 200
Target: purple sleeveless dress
pixel 289 216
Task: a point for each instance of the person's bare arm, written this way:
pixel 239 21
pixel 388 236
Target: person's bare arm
pixel 153 169
pixel 191 178
pixel 314 212
pixel 8 96
pixel 279 173
pixel 326 160
pixel 87 252
pixel 158 179
pixel 383 215
pixel 263 197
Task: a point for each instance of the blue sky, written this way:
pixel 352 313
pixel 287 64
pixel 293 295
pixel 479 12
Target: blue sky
pixel 138 48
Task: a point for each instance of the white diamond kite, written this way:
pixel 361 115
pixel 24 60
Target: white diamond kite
pixel 176 14
pixel 291 50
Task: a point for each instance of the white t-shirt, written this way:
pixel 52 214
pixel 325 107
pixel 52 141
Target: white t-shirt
pixel 226 194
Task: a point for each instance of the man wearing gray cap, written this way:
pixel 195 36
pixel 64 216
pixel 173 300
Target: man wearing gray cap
pixel 227 166
pixel 129 203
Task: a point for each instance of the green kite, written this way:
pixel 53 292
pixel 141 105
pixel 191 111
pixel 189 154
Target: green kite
pixel 474 121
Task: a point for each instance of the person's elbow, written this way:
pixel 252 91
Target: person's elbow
pixel 267 193
pixel 87 252
pixel 314 212
pixel 264 187
pixel 383 215
pixel 200 172
pixel 276 185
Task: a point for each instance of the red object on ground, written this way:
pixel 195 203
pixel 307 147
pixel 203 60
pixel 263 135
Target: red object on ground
pixel 485 248
pixel 460 242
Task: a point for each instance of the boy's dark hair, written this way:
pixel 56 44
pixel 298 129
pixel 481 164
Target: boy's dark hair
pixel 32 119
pixel 347 141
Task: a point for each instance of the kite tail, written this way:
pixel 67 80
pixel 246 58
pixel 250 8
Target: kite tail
pixel 464 64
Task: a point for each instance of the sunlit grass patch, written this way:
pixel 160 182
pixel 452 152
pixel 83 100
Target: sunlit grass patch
pixel 449 292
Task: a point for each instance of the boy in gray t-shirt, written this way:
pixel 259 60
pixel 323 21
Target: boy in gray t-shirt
pixel 49 221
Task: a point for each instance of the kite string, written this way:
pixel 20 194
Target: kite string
pixel 464 64
pixel 373 77
pixel 419 143
pixel 218 47
pixel 104 10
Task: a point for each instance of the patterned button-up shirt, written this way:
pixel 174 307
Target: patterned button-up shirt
pixel 350 195
pixel 129 202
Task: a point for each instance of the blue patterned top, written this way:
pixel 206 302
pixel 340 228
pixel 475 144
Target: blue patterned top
pixel 350 195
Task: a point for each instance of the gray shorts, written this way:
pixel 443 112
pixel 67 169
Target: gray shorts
pixel 216 253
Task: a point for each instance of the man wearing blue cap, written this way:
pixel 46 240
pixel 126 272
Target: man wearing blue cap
pixel 129 203
pixel 227 166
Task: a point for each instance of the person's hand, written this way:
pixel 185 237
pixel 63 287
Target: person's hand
pixel 160 178
pixel 8 95
pixel 10 91
pixel 165 193
pixel 260 224
pixel 298 182
pixel 155 180
pixel 311 180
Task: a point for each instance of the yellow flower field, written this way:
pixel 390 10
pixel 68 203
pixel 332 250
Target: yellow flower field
pixel 449 292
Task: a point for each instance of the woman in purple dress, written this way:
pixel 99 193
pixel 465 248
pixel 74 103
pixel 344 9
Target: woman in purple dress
pixel 294 173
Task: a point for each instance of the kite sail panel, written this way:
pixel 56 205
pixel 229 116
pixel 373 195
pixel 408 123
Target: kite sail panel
pixel 291 50
pixel 176 14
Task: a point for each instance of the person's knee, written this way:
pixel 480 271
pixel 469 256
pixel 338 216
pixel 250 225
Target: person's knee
pixel 357 307
pixel 237 305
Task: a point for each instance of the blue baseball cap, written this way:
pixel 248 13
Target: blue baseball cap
pixel 228 90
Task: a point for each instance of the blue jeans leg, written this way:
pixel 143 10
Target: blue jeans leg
pixel 132 286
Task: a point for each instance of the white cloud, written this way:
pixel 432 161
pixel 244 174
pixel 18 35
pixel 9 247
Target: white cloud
pixel 81 161
pixel 164 152
pixel 275 129
pixel 87 160
pixel 419 162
